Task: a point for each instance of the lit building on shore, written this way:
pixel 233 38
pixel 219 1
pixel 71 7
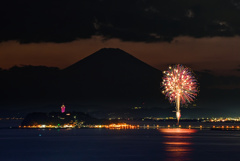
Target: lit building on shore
pixel 63 108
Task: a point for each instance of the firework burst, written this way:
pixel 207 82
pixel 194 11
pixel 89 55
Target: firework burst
pixel 179 86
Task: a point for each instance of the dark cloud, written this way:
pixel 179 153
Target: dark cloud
pixel 136 20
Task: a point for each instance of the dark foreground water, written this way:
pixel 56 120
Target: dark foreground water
pixel 118 145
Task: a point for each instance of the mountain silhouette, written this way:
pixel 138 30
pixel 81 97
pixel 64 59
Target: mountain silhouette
pixel 111 73
pixel 110 76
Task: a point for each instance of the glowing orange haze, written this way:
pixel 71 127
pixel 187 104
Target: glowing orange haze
pixel 218 54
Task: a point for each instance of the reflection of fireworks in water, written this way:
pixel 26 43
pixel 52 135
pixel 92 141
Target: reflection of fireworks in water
pixel 177 131
pixel 180 86
pixel 177 143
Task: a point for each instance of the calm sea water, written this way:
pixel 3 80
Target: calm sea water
pixel 117 145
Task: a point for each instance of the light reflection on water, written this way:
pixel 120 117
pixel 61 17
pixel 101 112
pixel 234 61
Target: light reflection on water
pixel 118 145
pixel 178 143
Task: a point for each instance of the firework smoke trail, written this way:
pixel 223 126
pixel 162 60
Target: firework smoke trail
pixel 179 86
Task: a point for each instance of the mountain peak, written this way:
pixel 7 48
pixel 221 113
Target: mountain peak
pixel 110 50
pixel 107 57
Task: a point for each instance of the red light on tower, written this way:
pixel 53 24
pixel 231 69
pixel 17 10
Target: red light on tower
pixel 63 108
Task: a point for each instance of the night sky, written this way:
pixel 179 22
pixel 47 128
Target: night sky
pixel 203 35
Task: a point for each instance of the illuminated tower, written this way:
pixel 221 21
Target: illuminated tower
pixel 63 108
